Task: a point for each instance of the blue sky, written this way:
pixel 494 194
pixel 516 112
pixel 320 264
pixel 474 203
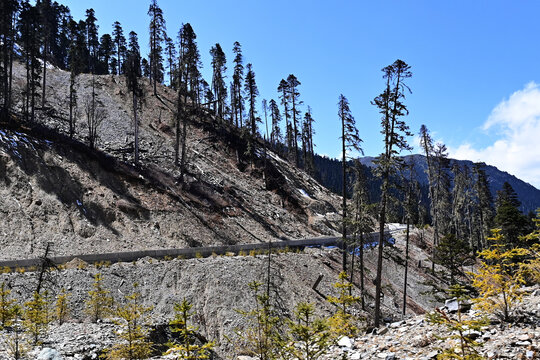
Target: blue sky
pixel 475 63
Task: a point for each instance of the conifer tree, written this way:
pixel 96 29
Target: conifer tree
pixel 499 277
pixel 462 203
pixel 170 49
pixel 412 190
pixel 99 303
pixel 7 307
pixel 106 48
pixel 360 220
pixel 36 319
pixel 507 194
pixel 261 332
pixel 283 90
pixel 307 142
pixel 187 69
pixel 275 135
pixel 187 348
pixel 294 98
pixel 309 337
pixel 157 37
pixel 442 197
pixel 76 65
pixel 120 41
pixel 394 130
pixel 427 144
pixel 131 317
pixel 350 140
pixel 62 306
pixel 485 211
pixel 8 14
pixel 219 67
pixel 133 73
pixel 47 26
pixel 342 323
pixel 29 36
pixel 92 39
pixel 238 76
pixel 60 47
pixel 252 92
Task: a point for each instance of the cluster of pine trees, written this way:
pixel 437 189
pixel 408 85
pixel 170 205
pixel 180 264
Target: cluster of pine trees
pixel 28 325
pixel 46 34
pixel 461 208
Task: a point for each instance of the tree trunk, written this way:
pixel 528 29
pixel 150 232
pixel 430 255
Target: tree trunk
pixel 344 192
pixel 378 279
pixel 183 154
pixel 71 103
pixel 136 128
pixel 361 254
pixel 406 268
pixel 44 73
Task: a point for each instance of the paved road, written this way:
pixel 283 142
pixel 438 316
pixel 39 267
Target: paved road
pixel 187 252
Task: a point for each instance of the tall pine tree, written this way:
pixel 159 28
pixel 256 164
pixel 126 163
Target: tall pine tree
pixel 219 66
pixel 157 36
pixel 120 41
pixel 394 130
pixel 350 140
pixel 133 74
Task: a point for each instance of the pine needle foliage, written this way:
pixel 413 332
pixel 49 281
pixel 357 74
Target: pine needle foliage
pixel 131 317
pixel 261 335
pixel 36 319
pixel 459 329
pixel 187 348
pixel 7 307
pixel 62 306
pixel 499 277
pixel 342 323
pixel 309 337
pixel 99 303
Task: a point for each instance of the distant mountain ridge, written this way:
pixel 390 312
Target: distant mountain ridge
pixel 527 193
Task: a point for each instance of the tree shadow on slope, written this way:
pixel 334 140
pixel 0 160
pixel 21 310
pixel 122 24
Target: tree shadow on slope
pixel 56 180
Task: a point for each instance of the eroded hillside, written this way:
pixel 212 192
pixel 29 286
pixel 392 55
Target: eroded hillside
pixel 56 190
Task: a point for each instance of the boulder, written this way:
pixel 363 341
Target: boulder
pixel 345 341
pixel 49 354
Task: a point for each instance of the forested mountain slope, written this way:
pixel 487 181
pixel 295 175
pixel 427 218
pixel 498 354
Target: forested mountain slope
pixel 329 170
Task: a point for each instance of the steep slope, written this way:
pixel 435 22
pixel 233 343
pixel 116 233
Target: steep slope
pixel 53 189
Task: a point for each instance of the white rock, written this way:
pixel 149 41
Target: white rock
pixel 451 305
pixel 345 341
pixel 355 356
pixel 49 354
pixel 396 324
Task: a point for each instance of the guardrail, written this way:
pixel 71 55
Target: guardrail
pixel 187 253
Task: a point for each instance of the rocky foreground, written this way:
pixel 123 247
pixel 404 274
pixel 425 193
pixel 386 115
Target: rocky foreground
pixel 416 338
pixel 412 338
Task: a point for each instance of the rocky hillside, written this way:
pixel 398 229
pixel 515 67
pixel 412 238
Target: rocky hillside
pixel 218 287
pixel 417 338
pixel 53 189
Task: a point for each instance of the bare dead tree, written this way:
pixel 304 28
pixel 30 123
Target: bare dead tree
pixel 94 118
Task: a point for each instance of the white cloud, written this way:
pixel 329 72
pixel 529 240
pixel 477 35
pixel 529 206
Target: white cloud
pixel 516 121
